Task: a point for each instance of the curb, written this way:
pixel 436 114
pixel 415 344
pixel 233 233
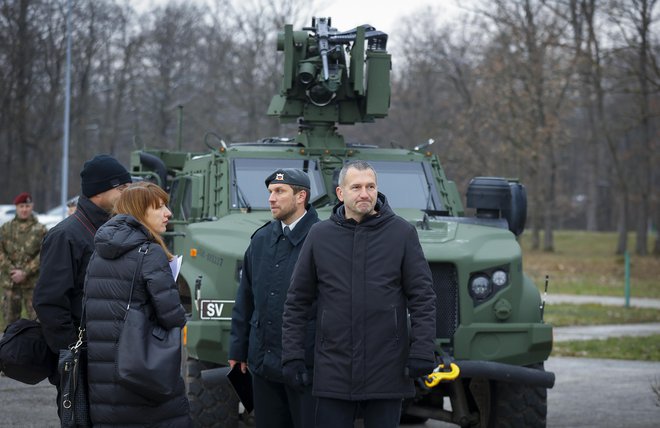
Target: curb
pixel 638 302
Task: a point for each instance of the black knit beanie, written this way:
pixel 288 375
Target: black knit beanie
pixel 102 173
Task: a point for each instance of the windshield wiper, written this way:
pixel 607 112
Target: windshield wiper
pixel 242 200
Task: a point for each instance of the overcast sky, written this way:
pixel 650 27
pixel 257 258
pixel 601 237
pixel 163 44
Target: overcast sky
pixel 383 15
pixel 347 14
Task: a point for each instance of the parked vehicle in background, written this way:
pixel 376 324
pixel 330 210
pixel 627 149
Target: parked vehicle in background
pixel 7 212
pixel 56 214
pixel 49 219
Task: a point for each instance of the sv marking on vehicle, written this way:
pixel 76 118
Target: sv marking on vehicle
pixel 216 309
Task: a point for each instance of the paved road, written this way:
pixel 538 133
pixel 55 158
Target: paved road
pixel 588 393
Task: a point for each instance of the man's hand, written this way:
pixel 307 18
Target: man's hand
pixel 244 365
pixel 295 374
pixel 17 276
pixel 418 367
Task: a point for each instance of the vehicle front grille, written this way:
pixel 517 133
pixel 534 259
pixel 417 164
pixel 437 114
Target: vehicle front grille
pixel 445 285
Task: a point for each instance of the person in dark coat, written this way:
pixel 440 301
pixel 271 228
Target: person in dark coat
pixel 65 253
pixel 141 216
pixel 256 331
pixel 365 268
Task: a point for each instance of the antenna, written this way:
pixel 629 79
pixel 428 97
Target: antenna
pixel 545 295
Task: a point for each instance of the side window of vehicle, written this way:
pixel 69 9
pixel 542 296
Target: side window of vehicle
pixel 186 199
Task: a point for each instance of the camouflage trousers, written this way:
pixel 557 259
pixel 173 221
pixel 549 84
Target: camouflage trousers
pixel 12 301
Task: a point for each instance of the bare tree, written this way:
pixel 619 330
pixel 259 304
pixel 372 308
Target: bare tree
pixel 633 23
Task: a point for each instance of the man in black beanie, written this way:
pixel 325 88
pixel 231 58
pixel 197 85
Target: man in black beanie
pixel 66 250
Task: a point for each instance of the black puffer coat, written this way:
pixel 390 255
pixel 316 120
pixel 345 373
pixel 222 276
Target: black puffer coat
pixel 108 283
pixel 364 276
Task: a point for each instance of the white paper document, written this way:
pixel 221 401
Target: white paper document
pixel 175 265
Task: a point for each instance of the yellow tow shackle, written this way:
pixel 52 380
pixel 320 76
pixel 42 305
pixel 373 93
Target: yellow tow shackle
pixel 433 379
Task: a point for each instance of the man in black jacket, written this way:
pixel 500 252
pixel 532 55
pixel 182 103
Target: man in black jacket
pixel 365 269
pixel 256 331
pixel 66 250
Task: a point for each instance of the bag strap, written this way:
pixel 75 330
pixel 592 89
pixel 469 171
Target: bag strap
pixel 85 222
pixel 92 231
pixel 81 327
pixel 141 252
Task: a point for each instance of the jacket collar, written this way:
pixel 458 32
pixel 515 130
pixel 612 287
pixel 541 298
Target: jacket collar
pixel 95 214
pixel 299 232
pixel 382 208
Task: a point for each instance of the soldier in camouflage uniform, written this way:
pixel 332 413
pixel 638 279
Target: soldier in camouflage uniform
pixel 20 244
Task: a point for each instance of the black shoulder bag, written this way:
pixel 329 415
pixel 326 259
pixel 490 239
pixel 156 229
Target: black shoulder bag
pixel 148 359
pixel 24 353
pixel 72 367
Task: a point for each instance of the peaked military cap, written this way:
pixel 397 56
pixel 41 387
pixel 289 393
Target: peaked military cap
pixel 291 176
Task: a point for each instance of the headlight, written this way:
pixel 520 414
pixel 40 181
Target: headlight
pixel 480 287
pixel 499 278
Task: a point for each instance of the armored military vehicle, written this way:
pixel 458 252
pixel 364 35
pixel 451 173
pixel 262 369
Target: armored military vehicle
pixel 491 338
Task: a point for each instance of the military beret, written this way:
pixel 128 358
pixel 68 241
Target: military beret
pixel 291 176
pixel 23 198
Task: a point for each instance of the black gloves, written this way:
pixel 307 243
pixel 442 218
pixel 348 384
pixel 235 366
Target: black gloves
pixel 295 374
pixel 418 367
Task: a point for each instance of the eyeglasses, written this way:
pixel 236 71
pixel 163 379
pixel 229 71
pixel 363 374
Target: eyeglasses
pixel 122 187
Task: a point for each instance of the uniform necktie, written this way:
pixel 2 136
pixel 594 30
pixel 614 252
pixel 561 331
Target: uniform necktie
pixel 286 231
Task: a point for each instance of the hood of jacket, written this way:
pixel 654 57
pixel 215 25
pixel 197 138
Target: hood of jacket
pixel 382 208
pixel 120 234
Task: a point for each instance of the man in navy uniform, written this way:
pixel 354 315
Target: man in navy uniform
pixel 256 331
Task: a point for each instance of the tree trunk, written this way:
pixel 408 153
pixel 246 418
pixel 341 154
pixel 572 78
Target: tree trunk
pixel 550 203
pixel 622 243
pixel 656 247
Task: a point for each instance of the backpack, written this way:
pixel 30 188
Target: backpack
pixel 24 353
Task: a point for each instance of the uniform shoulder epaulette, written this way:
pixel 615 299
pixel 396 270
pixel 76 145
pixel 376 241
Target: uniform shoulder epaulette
pixel 261 227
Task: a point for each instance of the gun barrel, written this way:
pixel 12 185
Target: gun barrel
pixel 323 33
pixel 324 59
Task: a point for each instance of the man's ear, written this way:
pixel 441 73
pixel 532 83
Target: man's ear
pixel 340 194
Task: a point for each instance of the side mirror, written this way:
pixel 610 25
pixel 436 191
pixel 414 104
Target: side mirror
pixel 495 197
pixel 516 214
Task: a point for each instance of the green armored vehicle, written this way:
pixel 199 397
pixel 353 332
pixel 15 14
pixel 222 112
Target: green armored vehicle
pixel 491 338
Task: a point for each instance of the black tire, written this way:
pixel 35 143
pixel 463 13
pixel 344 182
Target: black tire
pixel 210 407
pixel 408 419
pixel 514 405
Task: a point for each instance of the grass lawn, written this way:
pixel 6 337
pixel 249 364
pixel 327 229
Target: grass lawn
pixel 621 348
pixel 562 315
pixel 585 263
pixel 625 348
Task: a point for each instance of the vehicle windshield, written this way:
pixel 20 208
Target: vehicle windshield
pixel 249 189
pixel 407 184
